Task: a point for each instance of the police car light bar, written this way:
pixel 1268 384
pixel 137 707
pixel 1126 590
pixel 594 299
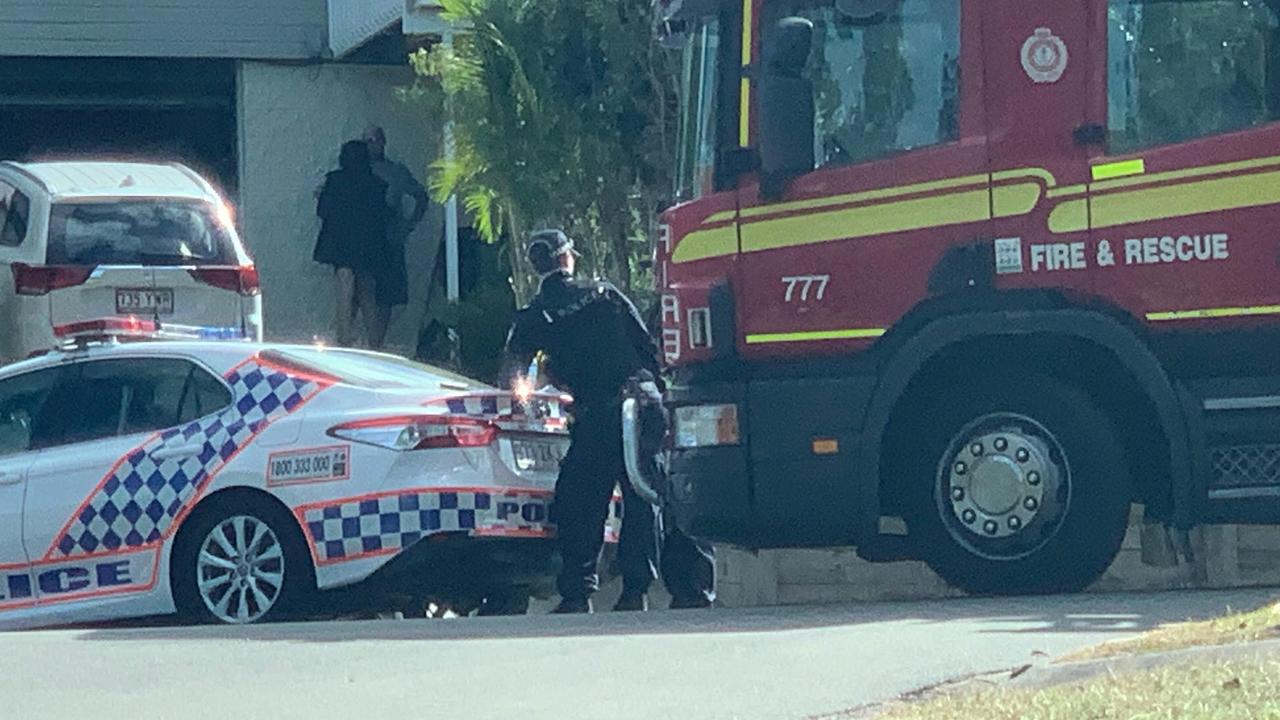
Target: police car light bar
pixel 106 328
pixel 119 329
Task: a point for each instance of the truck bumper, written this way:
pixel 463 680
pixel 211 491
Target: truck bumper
pixel 792 481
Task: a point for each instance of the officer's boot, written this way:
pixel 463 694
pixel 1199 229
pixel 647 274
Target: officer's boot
pixel 631 601
pixel 573 606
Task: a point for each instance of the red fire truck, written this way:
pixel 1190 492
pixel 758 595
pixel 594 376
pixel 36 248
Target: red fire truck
pixel 1001 269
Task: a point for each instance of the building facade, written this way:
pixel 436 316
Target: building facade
pixel 258 96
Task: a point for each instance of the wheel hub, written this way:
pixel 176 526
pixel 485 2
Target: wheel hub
pixel 1003 478
pixel 997 485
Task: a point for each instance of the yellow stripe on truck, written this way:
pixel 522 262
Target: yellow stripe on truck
pixel 1122 199
pixel 1188 173
pixel 1186 199
pixel 867 221
pixel 703 244
pixel 850 334
pixel 971 200
pixel 744 109
pixel 1119 169
pixel 1210 313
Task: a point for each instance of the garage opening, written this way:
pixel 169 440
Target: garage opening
pixel 122 108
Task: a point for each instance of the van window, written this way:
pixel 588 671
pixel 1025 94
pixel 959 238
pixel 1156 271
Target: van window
pixel 1183 69
pixel 886 74
pixel 138 232
pixel 15 216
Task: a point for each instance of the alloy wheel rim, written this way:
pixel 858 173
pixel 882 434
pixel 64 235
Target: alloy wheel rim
pixel 240 570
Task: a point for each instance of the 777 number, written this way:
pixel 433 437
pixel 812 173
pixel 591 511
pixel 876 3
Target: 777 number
pixel 808 285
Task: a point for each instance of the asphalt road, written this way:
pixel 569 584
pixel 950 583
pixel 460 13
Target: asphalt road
pixel 775 663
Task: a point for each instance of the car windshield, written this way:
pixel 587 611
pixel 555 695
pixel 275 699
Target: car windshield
pixel 371 370
pixel 139 232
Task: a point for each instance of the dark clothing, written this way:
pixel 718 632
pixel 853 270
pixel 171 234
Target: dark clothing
pixel 592 334
pixel 393 280
pixel 688 569
pixel 596 342
pixel 354 216
pixel 588 475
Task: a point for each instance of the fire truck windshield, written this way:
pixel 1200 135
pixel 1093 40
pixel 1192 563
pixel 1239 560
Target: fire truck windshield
pixel 698 91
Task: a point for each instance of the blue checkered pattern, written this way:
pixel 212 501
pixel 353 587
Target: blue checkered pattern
pixel 137 503
pixel 357 528
pixel 503 406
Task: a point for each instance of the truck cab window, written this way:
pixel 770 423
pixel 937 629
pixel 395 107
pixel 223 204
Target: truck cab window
pixel 1183 69
pixel 885 74
pixel 699 60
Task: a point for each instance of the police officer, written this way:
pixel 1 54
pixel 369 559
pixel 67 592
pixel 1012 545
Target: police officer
pixel 596 343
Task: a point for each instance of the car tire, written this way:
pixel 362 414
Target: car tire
pixel 505 601
pixel 1015 485
pixel 239 562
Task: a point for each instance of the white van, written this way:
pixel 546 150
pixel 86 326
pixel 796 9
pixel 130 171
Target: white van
pixel 87 240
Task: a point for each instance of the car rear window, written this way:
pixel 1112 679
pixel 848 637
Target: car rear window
pixel 369 370
pixel 139 232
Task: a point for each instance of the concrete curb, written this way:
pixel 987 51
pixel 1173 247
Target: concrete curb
pixel 1077 672
pixel 1046 675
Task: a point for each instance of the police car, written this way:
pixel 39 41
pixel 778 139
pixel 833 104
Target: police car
pixel 231 481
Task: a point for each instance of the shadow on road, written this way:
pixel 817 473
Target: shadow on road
pixel 1127 613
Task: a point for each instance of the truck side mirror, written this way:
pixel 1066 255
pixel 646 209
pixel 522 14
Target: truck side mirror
pixel 786 107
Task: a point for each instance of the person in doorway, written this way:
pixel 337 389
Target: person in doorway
pixel 353 240
pixel 393 282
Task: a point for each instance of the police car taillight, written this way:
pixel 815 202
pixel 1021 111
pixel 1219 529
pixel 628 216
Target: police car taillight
pixel 418 432
pixel 706 426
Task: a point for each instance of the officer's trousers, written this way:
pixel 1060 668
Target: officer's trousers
pixel 591 470
pixel 688 569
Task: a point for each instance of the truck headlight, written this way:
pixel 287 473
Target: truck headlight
pixel 706 426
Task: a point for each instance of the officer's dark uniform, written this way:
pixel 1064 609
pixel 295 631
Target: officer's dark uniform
pixel 596 343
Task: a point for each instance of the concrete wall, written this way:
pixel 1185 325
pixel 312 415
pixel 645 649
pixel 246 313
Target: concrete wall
pixel 293 120
pixel 1225 556
pixel 275 29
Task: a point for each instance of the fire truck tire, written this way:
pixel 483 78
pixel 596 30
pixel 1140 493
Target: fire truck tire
pixel 1021 486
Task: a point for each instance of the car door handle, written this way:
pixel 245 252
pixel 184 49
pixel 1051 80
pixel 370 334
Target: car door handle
pixel 10 478
pixel 178 452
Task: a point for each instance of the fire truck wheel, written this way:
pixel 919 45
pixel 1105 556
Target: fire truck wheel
pixel 1028 490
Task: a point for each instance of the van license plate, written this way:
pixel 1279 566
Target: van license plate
pixel 144 302
pixel 537 456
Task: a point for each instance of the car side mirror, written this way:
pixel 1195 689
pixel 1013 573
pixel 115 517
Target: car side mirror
pixel 786 108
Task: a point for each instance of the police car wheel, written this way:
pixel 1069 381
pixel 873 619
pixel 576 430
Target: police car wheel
pixel 236 565
pixel 505 601
pixel 1023 487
